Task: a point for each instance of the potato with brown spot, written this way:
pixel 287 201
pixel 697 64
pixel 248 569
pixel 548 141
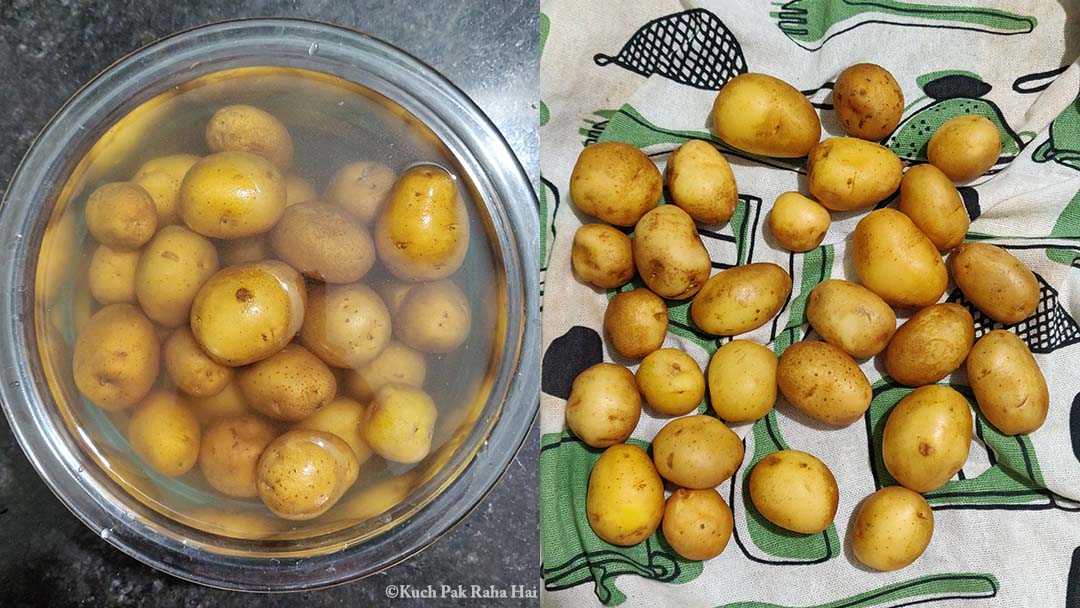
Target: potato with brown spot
pixel 625 499
pixel 615 182
pixel 323 243
pixel 165 434
pixel 964 147
pixel 117 357
pixel 669 254
pixel 121 215
pixel 290 385
pixel 671 381
pixel 697 452
pixel 701 182
pixel 741 299
pixel 742 381
pixel 927 437
pixel 434 317
pixel 603 256
pixel 760 114
pixel 892 528
pixel 697 523
pixel 249 129
pixel 345 418
pixel 346 325
pixel 112 274
pixel 868 101
pixel 845 173
pixel 995 281
pixel 636 323
pixel 400 423
pixel 395 364
pixel 303 473
pixel 850 317
pixel 795 491
pixel 930 345
pixel 230 195
pixel 604 405
pixel 934 205
pixel 229 453
pixel 799 223
pixel 190 368
pixel 172 269
pixel 360 188
pixel 895 260
pixel 161 178
pixel 1009 387
pixel 824 383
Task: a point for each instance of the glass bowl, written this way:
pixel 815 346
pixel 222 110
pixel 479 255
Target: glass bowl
pixel 38 397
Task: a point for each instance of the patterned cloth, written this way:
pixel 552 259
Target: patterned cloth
pixel 1007 527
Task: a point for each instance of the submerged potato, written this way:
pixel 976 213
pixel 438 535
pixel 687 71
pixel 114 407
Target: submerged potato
pixel 742 381
pixel 795 491
pixel 303 473
pixel 346 325
pixel 964 147
pixel 165 434
pixel 823 382
pixel 161 178
pixel 361 189
pixel 740 299
pixel 245 128
pixel 229 402
pixel 323 243
pixel 290 385
pixel 636 323
pixel 117 357
pixel 298 190
pixel 343 417
pixel 400 423
pixel 893 259
pixel 845 173
pixel 434 317
pixel 934 205
pixel 112 275
pixel 615 182
pixel 868 101
pixel 851 317
pixel 799 223
pixel 604 405
pixel 1009 386
pixel 603 256
pixel 697 523
pixel 927 438
pixel 763 115
pixel 395 364
pixel 172 269
pixel 697 452
pixel 230 195
pixel 625 500
pixel 190 368
pixel 121 215
pixel 669 254
pixel 245 250
pixel 701 182
pixel 930 345
pixel 892 528
pixel 995 282
pixel 671 381
pixel 230 450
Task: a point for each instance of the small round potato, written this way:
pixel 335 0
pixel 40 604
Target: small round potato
pixel 298 190
pixel 625 500
pixel 173 267
pixel 934 206
pixel 396 364
pixel 323 243
pixel 763 115
pixel 795 491
pixel 434 317
pixel 669 254
pixel 303 473
pixel 229 195
pixel 246 128
pixel 702 183
pixel 190 368
pixel 851 317
pixel 1009 386
pixel 117 357
pixel 121 215
pixel 930 345
pixel 604 405
pixel 927 438
pixel 165 434
pixel 361 189
pixel 892 528
pixel 230 450
pixel 161 178
pixel 671 381
pixel 112 274
pixel 964 147
pixel 346 325
pixel 742 381
pixel 823 382
pixel 245 250
pixel 636 323
pixel 868 101
pixel 290 385
pixel 799 223
pixel 845 173
pixel 893 259
pixel 615 182
pixel 343 417
pixel 603 256
pixel 741 299
pixel 995 282
pixel 400 423
pixel 229 402
pixel 697 452
pixel 697 523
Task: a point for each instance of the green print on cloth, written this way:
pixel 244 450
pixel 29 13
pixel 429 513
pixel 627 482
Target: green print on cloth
pixel 1063 147
pixel 545 27
pixel 939 587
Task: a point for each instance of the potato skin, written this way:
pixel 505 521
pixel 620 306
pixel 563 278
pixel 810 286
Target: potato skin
pixel 892 528
pixel 165 434
pixel 161 178
pixel 742 381
pixel 964 147
pixel 603 256
pixel 927 437
pixel 845 173
pixel 697 523
pixel 671 381
pixel 345 418
pixel 112 275
pixel 117 357
pixel 173 267
pixel 636 323
pixel 763 115
pixel 893 259
pixel 930 345
pixel 290 385
pixel 400 423
pixel 934 205
pixel 361 188
pixel 851 317
pixel 396 363
pixel 625 501
pixel 995 282
pixel 345 325
pixel 669 254
pixel 615 182
pixel 230 195
pixel 246 128
pixel 697 452
pixel 604 405
pixel 191 369
pixel 434 317
pixel 823 382
pixel 868 101
pixel 795 491
pixel 740 299
pixel 323 243
pixel 799 223
pixel 229 402
pixel 229 453
pixel 1009 386
pixel 701 182
pixel 121 215
pixel 303 473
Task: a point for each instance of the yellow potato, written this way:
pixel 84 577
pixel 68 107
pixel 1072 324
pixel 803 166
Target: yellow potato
pixel 795 491
pixel 603 256
pixel 400 423
pixel 851 317
pixel 173 267
pixel 345 418
pixel 995 282
pixel 245 250
pixel 361 189
pixel 121 215
pixel 625 500
pixel 434 317
pixel 117 357
pixel 740 299
pixel 742 381
pixel 636 323
pixel 604 405
pixel 671 381
pixel 669 254
pixel 229 453
pixel 697 523
pixel 763 115
pixel 1009 386
pixel 303 473
pixel 165 434
pixel 230 195
pixel 161 178
pixel 246 128
pixel 892 528
pixel 799 223
pixel 697 452
pixel 190 368
pixel 346 325
pixel 298 190
pixel 112 275
pixel 615 182
pixel 964 147
pixel 229 402
pixel 701 182
pixel 930 345
pixel 934 206
pixel 868 101
pixel 927 438
pixel 823 382
pixel 395 364
pixel 290 385
pixel 323 243
pixel 845 173
pixel 893 259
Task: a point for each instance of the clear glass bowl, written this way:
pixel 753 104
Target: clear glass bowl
pixel 106 501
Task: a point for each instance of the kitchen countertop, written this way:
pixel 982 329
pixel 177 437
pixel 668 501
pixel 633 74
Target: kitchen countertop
pixel 47 49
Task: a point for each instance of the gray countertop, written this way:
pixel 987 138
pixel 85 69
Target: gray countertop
pixel 47 50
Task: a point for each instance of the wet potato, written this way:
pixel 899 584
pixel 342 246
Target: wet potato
pixel 323 243
pixel 615 182
pixel 116 357
pixel 400 423
pixel 298 190
pixel 161 178
pixel 112 275
pixel 303 473
pixel 395 364
pixel 229 453
pixel 360 188
pixel 434 317
pixel 346 325
pixel 121 215
pixel 244 128
pixel 233 194
pixel 190 368
pixel 604 405
pixel 343 417
pixel 165 434
pixel 290 385
pixel 172 269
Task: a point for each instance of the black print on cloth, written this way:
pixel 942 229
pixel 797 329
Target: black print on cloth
pixel 567 356
pixel 953 86
pixel 971 201
pixel 1074 426
pixel 1072 590
pixel 693 47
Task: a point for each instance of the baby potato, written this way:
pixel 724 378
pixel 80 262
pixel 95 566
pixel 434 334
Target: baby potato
pixel 930 345
pixel 361 189
pixel 400 423
pixel 741 299
pixel 172 269
pixel 615 182
pixel 799 223
pixel 290 385
pixel 298 190
pixel 229 402
pixel 603 256
pixel 795 491
pixel 248 312
pixel 846 173
pixel 117 357
pixel 669 254
pixel 1009 387
pixel 245 250
pixel 636 323
pixel 161 178
pixel 851 317
pixel 435 317
pixel 121 215
pixel 763 115
pixel 893 259
pixel 625 500
pixel 892 528
pixel 823 382
pixel 303 473
pixel 671 381
pixel 697 523
pixel 868 101
pixel 229 195
pixel 964 147
pixel 244 128
pixel 934 205
pixel 604 405
pixel 190 368
pixel 927 438
pixel 697 452
pixel 346 325
pixel 396 363
pixel 112 274
pixel 229 453
pixel 165 434
pixel 702 183
pixel 742 381
pixel 343 417
pixel 323 243
pixel 422 233
pixel 995 282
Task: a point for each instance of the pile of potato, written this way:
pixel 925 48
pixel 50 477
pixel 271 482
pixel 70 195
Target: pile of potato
pixel 284 372
pixel 897 256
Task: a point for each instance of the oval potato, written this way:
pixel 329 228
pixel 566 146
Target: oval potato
pixel 868 101
pixel 697 523
pixel 323 243
pixel 697 452
pixel 636 323
pixel 346 325
pixel 165 434
pixel 760 114
pixel 930 345
pixel 173 267
pixel 799 223
pixel 361 188
pixel 701 182
pixel 229 195
pixel 615 182
pixel 289 385
pixel 625 500
pixel 604 405
pixel 964 147
pixel 824 382
pixel 895 260
pixel 1009 386
pixel 229 453
pixel 892 528
pixel 117 357
pixel 603 256
pixel 934 206
pixel 400 423
pixel 795 491
pixel 995 282
pixel 112 275
pixel 245 128
pixel 303 473
pixel 671 381
pixel 845 173
pixel 851 317
pixel 669 254
pixel 740 299
pixel 742 381
pixel 161 178
pixel 927 437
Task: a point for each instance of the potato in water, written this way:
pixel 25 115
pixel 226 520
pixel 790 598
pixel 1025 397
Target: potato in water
pixel 112 275
pixel 172 269
pixel 303 473
pixel 190 368
pixel 230 450
pixel 434 317
pixel 298 190
pixel 396 364
pixel 289 385
pixel 121 215
pixel 246 128
pixel 604 405
pixel 760 114
pixel 161 178
pixel 625 499
pixel 346 325
pixel 117 357
pixel 323 243
pixel 795 491
pixel 360 188
pixel 165 434
pixel 615 182
pixel 343 417
pixel 400 423
pixel 230 195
